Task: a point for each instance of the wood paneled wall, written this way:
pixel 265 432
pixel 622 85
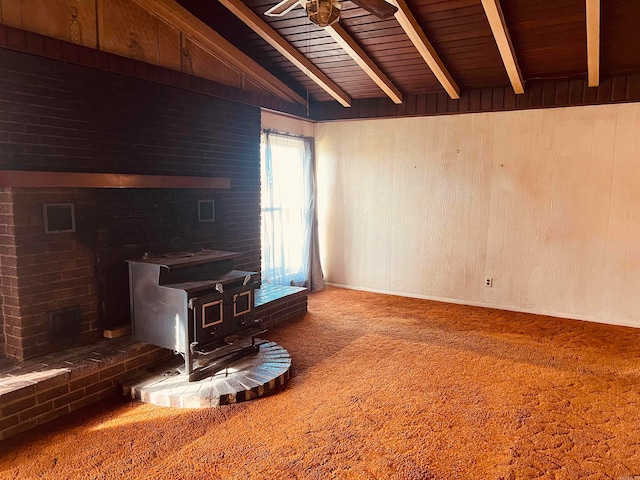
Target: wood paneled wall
pixel 538 94
pixel 544 202
pixel 125 28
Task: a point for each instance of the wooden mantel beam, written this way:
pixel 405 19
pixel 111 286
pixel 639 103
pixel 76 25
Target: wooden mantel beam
pixel 354 50
pixel 248 16
pixel 593 42
pixel 501 34
pixel 417 36
pixel 37 179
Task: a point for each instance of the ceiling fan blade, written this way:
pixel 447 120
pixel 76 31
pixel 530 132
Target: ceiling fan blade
pixel 281 8
pixel 379 8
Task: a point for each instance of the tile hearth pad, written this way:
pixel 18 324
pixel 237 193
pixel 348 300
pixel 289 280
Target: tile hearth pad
pixel 248 378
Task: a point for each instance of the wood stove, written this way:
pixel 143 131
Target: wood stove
pixel 194 303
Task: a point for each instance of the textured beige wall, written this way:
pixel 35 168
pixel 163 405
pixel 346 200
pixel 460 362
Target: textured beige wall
pixel 545 202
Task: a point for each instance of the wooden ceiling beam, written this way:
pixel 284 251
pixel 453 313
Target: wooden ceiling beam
pixel 174 14
pixel 354 50
pixel 244 13
pixel 494 14
pixel 417 36
pixel 593 42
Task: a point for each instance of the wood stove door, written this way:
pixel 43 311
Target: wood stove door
pixel 217 315
pixel 209 316
pixel 243 307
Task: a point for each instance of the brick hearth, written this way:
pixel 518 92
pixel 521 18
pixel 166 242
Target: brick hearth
pixel 245 379
pixel 42 389
pixel 39 391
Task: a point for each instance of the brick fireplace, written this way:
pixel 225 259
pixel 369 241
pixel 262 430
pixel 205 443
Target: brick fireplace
pixel 58 117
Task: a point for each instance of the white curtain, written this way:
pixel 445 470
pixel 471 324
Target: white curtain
pixel 289 239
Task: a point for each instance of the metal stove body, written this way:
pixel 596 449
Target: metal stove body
pixel 191 303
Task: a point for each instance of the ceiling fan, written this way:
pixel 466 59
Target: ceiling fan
pixel 326 12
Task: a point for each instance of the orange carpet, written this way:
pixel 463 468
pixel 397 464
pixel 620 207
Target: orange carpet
pixel 383 388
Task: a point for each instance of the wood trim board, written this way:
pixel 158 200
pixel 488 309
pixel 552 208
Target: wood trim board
pixel 21 178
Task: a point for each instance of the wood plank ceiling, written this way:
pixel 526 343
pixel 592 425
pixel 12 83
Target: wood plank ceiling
pixel 548 39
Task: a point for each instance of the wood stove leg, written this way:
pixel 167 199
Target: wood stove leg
pixel 188 351
pixel 188 361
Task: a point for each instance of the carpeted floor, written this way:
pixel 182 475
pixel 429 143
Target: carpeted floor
pixel 383 388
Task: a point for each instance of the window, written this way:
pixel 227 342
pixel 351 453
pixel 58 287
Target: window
pixel 287 208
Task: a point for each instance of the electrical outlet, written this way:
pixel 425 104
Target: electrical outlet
pixel 488 282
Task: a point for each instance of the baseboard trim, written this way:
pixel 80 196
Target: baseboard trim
pixel 508 308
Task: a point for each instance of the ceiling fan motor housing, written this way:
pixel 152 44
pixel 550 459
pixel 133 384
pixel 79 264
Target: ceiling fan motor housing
pixel 323 12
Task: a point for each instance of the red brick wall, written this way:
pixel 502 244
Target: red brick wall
pixel 51 271
pixel 61 117
pixel 8 274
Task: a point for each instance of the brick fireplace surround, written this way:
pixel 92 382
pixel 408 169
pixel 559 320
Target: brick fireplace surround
pixel 60 117
pixel 56 116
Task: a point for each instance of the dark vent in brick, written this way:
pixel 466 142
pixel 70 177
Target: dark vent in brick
pixel 59 217
pixel 64 324
pixel 206 211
